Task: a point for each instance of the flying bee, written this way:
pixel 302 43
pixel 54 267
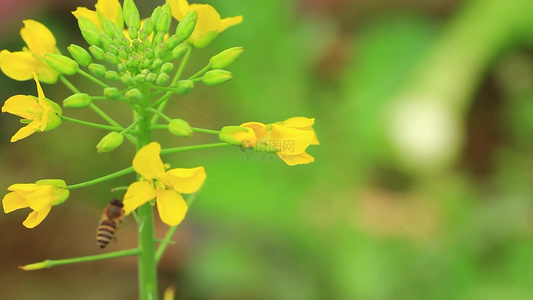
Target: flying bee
pixel 112 216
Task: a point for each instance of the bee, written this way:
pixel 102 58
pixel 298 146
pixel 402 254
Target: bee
pixel 112 216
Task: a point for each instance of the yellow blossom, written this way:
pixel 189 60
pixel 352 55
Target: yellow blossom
pixel 108 9
pixel 39 196
pixel 165 186
pixel 40 113
pixel 288 139
pixel 21 65
pixel 209 23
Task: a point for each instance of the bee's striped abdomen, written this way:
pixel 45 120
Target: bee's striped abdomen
pixel 105 232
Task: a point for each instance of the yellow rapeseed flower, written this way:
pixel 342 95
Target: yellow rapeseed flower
pixel 39 196
pixel 21 65
pixel 40 113
pixel 288 139
pixel 209 23
pixel 165 186
pixel 109 9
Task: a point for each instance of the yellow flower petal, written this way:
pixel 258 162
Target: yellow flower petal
pixel 228 22
pixel 21 65
pixel 23 188
pixel 110 9
pixel 147 162
pixel 299 122
pixel 186 181
pixel 171 207
pixel 21 105
pixel 25 131
pixel 293 141
pixel 38 37
pixel 207 25
pixel 41 198
pixel 179 8
pixel 13 201
pixel 137 194
pixel 36 217
pixel 300 159
pixel 259 128
pixel 83 12
pixel 40 93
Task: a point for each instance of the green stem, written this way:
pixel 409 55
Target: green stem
pixel 109 120
pixel 196 129
pixel 147 263
pixel 132 125
pixel 69 84
pixel 196 147
pixel 166 240
pixel 201 72
pixel 92 78
pixel 157 112
pixel 101 179
pixel 91 124
pixel 162 102
pixel 52 263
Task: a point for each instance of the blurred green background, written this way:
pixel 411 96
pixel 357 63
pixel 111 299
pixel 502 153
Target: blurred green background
pixel 422 186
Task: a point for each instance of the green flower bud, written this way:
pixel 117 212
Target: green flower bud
pixel 86 24
pixel 158 62
pixel 62 64
pixel 129 49
pixel 216 77
pixel 111 93
pixel 146 63
pixel 92 37
pixel 180 128
pixel 122 68
pixel 123 41
pixel 113 49
pixel 134 32
pixel 184 86
pixel 79 100
pixel 151 77
pixel 131 14
pixel 187 25
pixel 163 23
pixel 112 75
pixel 148 26
pixel 167 67
pixel 97 52
pixel 160 50
pixel 106 40
pixel 156 13
pixel 149 53
pixel 139 78
pixel 109 28
pixel 80 54
pixel 110 142
pixel 172 41
pixel 128 80
pixel 134 96
pixel 159 38
pixel 111 58
pixel 97 69
pixel 225 58
pixel 179 51
pixel 162 79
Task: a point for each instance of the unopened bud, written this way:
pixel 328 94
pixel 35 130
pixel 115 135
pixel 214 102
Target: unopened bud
pixel 163 23
pixel 92 37
pixel 225 58
pixel 140 78
pixel 216 77
pixel 180 128
pixel 97 52
pixel 162 79
pixel 111 58
pixel 184 86
pixel 97 69
pixel 80 54
pixel 128 80
pixel 186 25
pixel 134 96
pixel 111 93
pixel 112 75
pixel 61 63
pixel 110 142
pixel 151 77
pixel 108 27
pixel 237 135
pixel 148 26
pixel 179 51
pixel 134 32
pixel 167 67
pixel 86 24
pixel 79 100
pixel 131 14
